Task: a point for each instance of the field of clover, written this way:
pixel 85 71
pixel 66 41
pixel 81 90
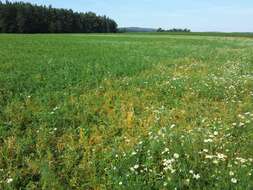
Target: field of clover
pixel 126 111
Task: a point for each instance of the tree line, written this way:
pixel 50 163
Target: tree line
pixel 20 17
pixel 173 30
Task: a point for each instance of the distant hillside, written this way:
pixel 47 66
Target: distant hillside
pixel 136 29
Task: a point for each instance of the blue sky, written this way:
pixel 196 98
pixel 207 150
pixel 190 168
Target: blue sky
pixel 197 15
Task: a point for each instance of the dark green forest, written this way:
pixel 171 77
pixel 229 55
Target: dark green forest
pixel 20 17
pixel 174 30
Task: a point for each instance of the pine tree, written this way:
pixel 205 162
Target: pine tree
pixel 22 17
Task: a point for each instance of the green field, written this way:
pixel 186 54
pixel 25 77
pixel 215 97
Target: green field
pixel 208 34
pixel 125 111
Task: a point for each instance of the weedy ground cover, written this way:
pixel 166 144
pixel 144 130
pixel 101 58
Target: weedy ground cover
pixel 126 112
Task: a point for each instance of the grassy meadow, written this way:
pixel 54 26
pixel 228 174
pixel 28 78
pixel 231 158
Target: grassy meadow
pixel 94 112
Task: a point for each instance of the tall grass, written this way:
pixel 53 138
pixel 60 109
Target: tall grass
pixel 126 112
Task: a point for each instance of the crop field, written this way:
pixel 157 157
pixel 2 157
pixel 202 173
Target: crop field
pixel 125 111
